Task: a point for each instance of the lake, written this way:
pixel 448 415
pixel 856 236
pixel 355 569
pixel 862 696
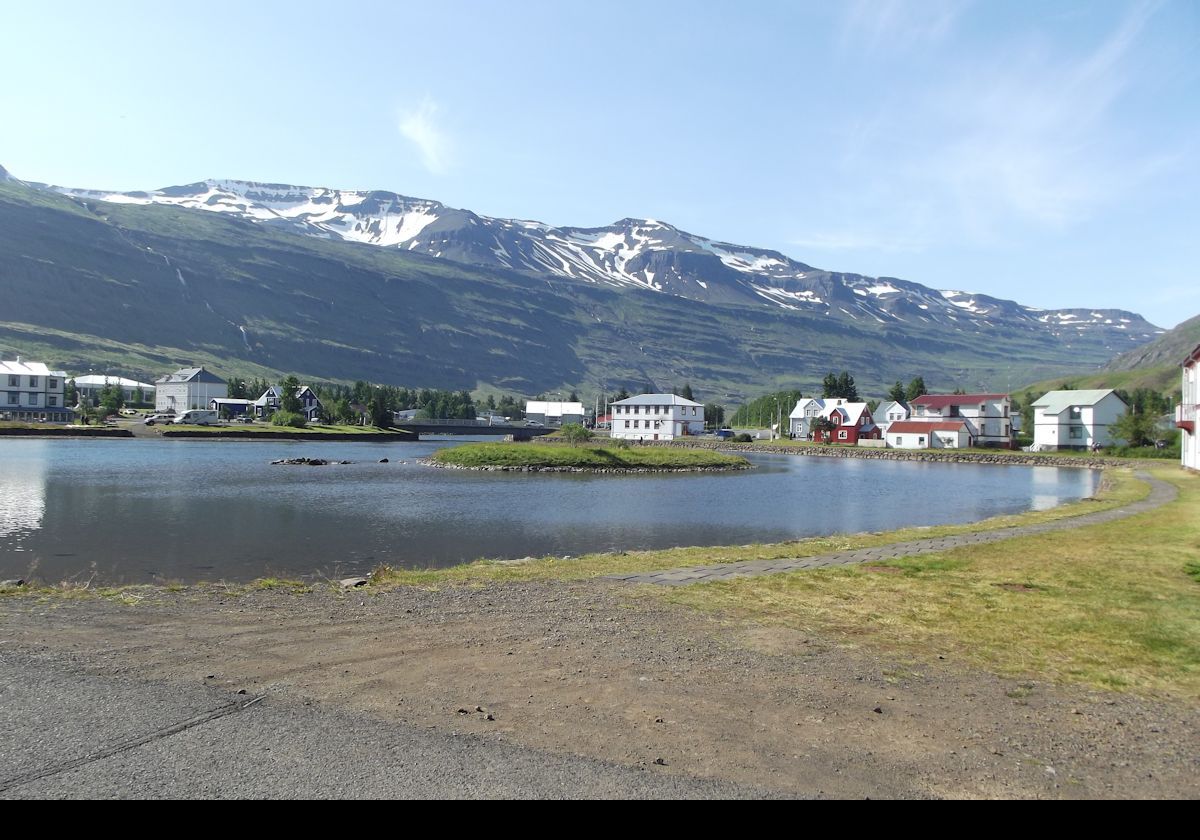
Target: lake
pixel 131 511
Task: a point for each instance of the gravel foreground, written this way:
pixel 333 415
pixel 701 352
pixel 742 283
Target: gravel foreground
pixel 535 690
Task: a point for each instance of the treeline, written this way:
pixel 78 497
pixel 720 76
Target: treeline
pixel 766 411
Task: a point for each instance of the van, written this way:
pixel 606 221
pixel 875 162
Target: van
pixel 198 417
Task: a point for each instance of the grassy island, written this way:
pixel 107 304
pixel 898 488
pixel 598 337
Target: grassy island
pixel 549 457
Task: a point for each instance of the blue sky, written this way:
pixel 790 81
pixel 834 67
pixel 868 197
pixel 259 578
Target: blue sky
pixel 1044 152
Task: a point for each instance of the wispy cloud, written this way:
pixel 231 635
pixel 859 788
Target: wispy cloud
pixel 1030 138
pixel 897 24
pixel 420 126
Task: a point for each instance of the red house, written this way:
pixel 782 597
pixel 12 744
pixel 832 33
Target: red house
pixel 852 422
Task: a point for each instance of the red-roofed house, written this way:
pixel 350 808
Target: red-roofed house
pixel 987 415
pixel 852 422
pixel 929 434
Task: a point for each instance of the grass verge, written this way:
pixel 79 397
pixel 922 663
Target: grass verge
pixel 1113 606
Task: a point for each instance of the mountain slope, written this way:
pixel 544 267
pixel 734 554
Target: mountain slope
pixel 630 253
pixel 139 287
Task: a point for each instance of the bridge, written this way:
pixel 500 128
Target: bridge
pixel 519 431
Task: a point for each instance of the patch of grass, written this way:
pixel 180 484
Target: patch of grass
pixel 1104 605
pixel 519 455
pixel 1192 570
pixel 271 584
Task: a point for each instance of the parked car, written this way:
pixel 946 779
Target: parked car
pixel 165 419
pixel 199 417
pixel 129 412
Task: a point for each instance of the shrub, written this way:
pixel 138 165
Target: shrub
pixel 288 418
pixel 575 434
pixel 743 438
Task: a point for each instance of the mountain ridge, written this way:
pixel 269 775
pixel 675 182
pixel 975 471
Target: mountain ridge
pixel 631 252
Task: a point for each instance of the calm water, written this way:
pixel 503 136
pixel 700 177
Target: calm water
pixel 139 510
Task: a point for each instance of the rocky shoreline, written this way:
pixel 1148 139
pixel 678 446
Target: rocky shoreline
pixel 999 457
pixel 599 470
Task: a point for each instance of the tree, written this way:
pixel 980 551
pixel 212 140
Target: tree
pixel 288 401
pixel 112 398
pixel 686 393
pixel 621 395
pixel 846 387
pixel 70 393
pixel 574 397
pixel 897 394
pixel 1135 429
pixel 714 415
pixel 916 388
pixel 821 427
pixel 829 385
pixel 575 434
pixel 380 411
pixel 1027 401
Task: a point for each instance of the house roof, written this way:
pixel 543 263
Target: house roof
pixel 231 401
pixel 803 403
pixel 657 399
pixel 1192 357
pixel 913 427
pixel 853 412
pixel 943 400
pixel 885 408
pixel 20 368
pixel 553 408
pixel 191 375
pixel 102 380
pixel 1056 402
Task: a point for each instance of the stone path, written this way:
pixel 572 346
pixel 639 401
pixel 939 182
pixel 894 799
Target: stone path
pixel 1160 493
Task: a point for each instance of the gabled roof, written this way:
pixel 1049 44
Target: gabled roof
pixel 913 427
pixel 803 404
pixel 943 400
pixel 20 368
pixel 853 412
pixel 1056 402
pixel 1192 357
pixel 191 375
pixel 657 399
pixel 102 380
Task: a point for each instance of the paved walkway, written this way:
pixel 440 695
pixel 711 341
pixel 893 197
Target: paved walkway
pixel 1160 493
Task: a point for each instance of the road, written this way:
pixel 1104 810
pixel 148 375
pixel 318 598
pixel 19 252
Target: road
pixel 69 732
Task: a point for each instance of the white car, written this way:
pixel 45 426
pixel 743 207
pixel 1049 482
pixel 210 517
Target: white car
pixel 165 419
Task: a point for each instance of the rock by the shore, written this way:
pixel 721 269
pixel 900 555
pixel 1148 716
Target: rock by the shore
pixel 307 462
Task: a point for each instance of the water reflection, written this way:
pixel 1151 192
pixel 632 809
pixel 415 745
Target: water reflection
pixel 154 510
pixel 22 494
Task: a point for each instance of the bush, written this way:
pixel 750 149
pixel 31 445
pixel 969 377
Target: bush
pixel 288 418
pixel 743 438
pixel 575 434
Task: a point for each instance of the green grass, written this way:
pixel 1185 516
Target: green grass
pixel 1112 606
pixel 519 455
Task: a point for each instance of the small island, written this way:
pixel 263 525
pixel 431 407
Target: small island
pixel 541 457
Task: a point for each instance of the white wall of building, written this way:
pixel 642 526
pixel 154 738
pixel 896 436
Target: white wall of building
pixel 656 417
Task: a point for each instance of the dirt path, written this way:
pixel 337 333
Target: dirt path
pixel 606 672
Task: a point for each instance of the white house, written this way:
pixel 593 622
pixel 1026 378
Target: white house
pixel 928 434
pixel 893 412
pixel 188 388
pixel 1075 419
pixel 553 413
pixel 31 391
pixel 92 384
pixel 1186 411
pixel 808 409
pixel 656 417
pixel 986 414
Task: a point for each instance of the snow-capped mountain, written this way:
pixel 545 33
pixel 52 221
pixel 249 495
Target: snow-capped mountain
pixel 641 253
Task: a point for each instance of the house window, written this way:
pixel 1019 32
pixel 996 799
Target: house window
pixel 920 440
pixel 14 381
pixel 899 440
pixel 1076 412
pixel 51 401
pixel 33 399
pixel 52 384
pixel 14 397
pixel 33 382
pixel 842 434
pixel 1076 433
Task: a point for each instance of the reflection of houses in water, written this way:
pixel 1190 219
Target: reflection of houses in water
pixel 22 496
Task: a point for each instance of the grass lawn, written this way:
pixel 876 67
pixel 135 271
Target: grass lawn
pixel 595 457
pixel 1114 605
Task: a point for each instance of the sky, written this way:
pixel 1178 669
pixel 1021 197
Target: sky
pixel 1041 152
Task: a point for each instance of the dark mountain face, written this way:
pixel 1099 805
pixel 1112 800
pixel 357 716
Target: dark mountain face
pixel 449 298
